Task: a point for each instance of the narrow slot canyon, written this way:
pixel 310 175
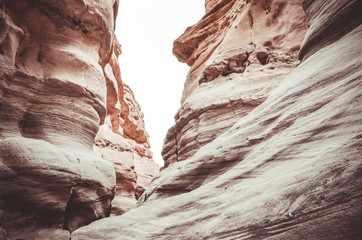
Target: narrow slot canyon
pixel 252 108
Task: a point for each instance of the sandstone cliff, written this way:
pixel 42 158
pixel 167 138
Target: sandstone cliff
pixel 58 62
pixel 289 168
pixel 238 53
pixel 123 141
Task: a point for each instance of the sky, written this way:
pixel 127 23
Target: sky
pixel 146 30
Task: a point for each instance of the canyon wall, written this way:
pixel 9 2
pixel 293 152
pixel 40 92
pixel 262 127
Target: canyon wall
pixel 123 140
pixel 289 168
pixel 238 53
pixel 58 62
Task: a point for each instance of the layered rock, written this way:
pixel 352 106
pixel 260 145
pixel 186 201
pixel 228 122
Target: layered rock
pixel 52 102
pixel 238 53
pixel 123 140
pixel 55 58
pixel 289 169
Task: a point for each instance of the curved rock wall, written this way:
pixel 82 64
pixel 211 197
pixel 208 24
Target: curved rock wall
pixel 289 169
pixel 123 140
pixel 238 53
pixel 58 62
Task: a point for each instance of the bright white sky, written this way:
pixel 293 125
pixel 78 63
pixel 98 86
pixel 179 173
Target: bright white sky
pixel 146 30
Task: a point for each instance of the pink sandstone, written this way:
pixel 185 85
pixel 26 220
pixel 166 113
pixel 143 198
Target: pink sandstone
pixel 57 59
pixel 288 169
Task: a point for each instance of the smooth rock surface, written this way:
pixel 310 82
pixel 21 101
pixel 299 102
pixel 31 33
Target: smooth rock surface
pixel 58 61
pixel 52 92
pixel 290 169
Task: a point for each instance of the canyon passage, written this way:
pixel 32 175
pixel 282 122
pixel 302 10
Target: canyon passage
pixel 266 144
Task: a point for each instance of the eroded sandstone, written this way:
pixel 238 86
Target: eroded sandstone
pixel 289 169
pixel 123 140
pixel 238 53
pixel 52 102
pixel 58 60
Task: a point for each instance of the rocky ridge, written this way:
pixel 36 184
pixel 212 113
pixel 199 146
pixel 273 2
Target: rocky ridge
pixel 289 169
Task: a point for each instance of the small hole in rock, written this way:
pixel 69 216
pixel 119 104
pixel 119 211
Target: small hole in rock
pixel 262 57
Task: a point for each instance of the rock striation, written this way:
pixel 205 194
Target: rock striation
pixel 288 169
pixel 123 140
pixel 238 53
pixel 58 60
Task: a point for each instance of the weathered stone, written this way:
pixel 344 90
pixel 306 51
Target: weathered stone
pixel 123 140
pixel 56 61
pixel 289 169
pixel 248 49
pixel 52 92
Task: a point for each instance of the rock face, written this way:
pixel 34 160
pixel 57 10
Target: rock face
pixel 58 62
pixel 289 169
pixel 238 53
pixel 123 141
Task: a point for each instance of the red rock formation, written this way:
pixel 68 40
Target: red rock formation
pixel 123 140
pixel 58 62
pixel 238 53
pixel 289 169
